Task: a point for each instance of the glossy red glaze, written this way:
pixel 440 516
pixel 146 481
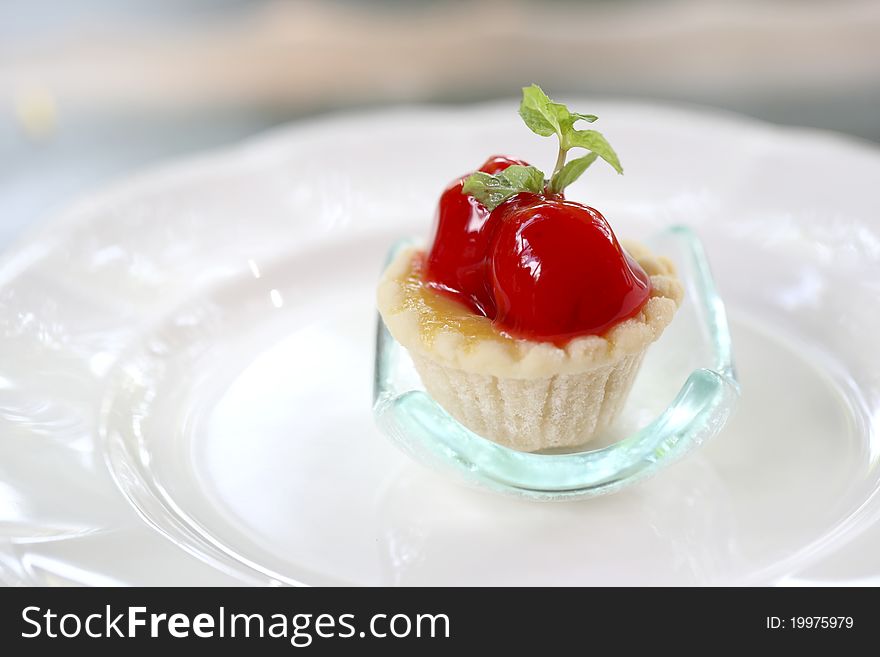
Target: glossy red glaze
pixel 498 163
pixel 457 262
pixel 557 272
pixel 539 266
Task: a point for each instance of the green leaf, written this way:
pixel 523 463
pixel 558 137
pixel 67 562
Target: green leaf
pixel 540 113
pixel 493 190
pixel 527 178
pixel 589 118
pixel 567 123
pixel 546 118
pixel 594 142
pixel 571 172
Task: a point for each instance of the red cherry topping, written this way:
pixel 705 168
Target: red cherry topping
pixel 457 261
pixel 498 163
pixel 541 267
pixel 557 272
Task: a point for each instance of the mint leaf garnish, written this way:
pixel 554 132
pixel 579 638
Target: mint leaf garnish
pixel 595 143
pixel 573 170
pixel 493 190
pixel 589 118
pixel 541 114
pixel 546 118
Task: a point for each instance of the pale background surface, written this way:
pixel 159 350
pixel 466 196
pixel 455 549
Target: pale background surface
pixel 91 90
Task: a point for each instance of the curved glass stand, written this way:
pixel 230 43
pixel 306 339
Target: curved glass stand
pixel 684 394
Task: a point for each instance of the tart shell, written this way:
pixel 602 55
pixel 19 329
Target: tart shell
pixel 524 394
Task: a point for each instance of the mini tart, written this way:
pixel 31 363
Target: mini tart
pixel 523 394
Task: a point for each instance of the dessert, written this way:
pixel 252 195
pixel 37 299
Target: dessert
pixel 526 318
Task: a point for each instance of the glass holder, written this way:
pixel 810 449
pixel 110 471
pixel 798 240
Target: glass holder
pixel 684 394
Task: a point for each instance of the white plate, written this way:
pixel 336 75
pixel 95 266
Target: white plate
pixel 218 316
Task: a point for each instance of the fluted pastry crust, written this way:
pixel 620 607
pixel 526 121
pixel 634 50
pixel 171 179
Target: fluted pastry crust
pixel 523 394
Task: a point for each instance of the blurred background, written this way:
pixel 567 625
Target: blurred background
pixel 91 90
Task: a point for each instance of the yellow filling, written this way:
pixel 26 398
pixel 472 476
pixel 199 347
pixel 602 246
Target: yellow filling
pixel 437 312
